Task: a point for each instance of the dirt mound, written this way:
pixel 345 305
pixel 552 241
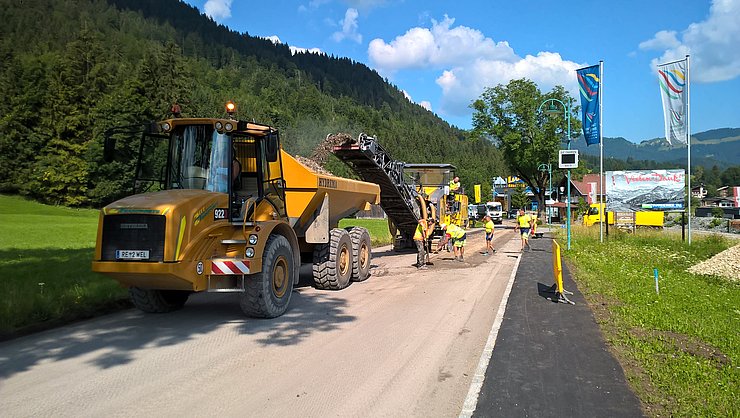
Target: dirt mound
pixel 725 264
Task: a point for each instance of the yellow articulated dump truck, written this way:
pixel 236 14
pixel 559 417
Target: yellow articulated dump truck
pixel 232 212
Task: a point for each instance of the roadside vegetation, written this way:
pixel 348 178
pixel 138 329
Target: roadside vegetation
pixel 679 346
pixel 45 276
pixel 45 256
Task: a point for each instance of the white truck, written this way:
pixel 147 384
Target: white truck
pixel 495 211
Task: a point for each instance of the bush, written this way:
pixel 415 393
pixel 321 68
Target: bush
pixel 718 212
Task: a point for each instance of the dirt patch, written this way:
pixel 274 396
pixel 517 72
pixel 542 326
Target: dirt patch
pixel 685 344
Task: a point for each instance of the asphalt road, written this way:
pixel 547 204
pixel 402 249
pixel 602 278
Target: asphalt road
pixel 403 343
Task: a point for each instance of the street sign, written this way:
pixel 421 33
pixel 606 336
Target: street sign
pixel 568 158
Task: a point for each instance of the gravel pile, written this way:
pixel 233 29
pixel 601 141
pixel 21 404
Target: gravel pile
pixel 318 157
pixel 725 264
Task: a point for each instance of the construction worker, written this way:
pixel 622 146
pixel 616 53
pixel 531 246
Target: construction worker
pixel 458 237
pixel 489 235
pixel 523 224
pixel 455 185
pixel 423 229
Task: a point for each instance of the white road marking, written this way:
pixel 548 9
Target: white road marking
pixel 471 401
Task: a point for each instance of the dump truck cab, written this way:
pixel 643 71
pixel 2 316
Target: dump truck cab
pixel 217 219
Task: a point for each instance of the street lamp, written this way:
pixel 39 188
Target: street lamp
pixel 547 167
pixel 553 109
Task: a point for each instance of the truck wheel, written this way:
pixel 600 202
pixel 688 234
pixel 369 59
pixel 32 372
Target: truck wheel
pixel 267 293
pixel 361 253
pixel 332 262
pixel 158 301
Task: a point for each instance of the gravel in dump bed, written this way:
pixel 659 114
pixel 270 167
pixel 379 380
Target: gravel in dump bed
pixel 318 157
pixel 313 165
pixel 725 264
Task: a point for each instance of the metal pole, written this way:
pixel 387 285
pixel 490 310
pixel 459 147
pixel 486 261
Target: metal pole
pixel 602 204
pixel 549 191
pixel 688 138
pixel 567 116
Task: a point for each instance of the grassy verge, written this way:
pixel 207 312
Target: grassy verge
pixel 680 348
pixel 45 276
pixel 378 228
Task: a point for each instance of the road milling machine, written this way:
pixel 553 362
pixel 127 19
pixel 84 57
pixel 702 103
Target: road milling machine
pixel 405 196
pixel 233 212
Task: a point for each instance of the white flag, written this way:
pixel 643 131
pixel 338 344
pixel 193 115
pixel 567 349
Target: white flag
pixel 673 90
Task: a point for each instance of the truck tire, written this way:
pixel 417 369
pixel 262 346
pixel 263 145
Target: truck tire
pixel 158 301
pixel 332 262
pixel 267 293
pixel 361 253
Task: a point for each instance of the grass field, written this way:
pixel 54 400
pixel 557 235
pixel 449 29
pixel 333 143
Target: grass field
pixel 45 256
pixel 680 348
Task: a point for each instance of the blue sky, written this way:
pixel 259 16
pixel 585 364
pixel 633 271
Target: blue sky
pixel 443 54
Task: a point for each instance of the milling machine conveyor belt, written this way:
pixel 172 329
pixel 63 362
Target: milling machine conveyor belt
pixel 373 164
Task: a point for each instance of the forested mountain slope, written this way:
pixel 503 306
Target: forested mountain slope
pixel 71 69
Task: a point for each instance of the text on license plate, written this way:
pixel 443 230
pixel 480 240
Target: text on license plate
pixel 132 254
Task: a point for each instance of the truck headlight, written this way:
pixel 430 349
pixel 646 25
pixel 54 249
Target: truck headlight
pixel 249 253
pixel 253 239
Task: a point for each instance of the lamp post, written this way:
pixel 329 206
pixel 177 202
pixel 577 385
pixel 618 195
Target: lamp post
pixel 547 167
pixel 552 109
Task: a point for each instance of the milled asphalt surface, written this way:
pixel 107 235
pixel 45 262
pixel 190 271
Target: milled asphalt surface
pixel 550 359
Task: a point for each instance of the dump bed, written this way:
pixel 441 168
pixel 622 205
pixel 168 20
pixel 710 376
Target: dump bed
pixel 306 191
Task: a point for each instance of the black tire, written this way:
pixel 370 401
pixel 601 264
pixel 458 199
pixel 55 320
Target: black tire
pixel 267 293
pixel 158 301
pixel 332 262
pixel 361 253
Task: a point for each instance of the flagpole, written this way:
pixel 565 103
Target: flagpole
pixel 688 137
pixel 602 203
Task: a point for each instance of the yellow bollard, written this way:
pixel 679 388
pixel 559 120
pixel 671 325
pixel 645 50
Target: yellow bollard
pixel 557 266
pixel 557 271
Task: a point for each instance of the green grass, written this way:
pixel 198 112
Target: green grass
pixel 378 229
pixel 45 255
pixel 680 348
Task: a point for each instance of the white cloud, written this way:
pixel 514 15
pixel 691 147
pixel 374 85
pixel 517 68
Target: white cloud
pixel 349 27
pixel 469 61
pixel 661 40
pixel 436 47
pixel 424 103
pixel 712 44
pixel 293 49
pixel 218 9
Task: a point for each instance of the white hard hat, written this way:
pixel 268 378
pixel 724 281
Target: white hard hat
pixel 443 226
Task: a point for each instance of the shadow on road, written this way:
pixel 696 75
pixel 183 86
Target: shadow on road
pixel 113 340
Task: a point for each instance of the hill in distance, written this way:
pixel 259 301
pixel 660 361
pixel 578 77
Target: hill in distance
pixel 719 147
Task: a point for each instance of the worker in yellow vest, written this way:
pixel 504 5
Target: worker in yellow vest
pixel 455 185
pixel 489 235
pixel 524 224
pixel 458 237
pixel 423 230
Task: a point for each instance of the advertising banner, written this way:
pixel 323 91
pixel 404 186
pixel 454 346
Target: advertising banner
pixel 644 190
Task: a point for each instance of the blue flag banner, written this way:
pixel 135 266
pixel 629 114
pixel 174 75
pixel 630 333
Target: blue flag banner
pixel 589 85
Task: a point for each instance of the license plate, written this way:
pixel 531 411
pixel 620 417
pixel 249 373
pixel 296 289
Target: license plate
pixel 132 254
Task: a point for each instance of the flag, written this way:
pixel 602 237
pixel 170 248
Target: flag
pixel 589 85
pixel 673 90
